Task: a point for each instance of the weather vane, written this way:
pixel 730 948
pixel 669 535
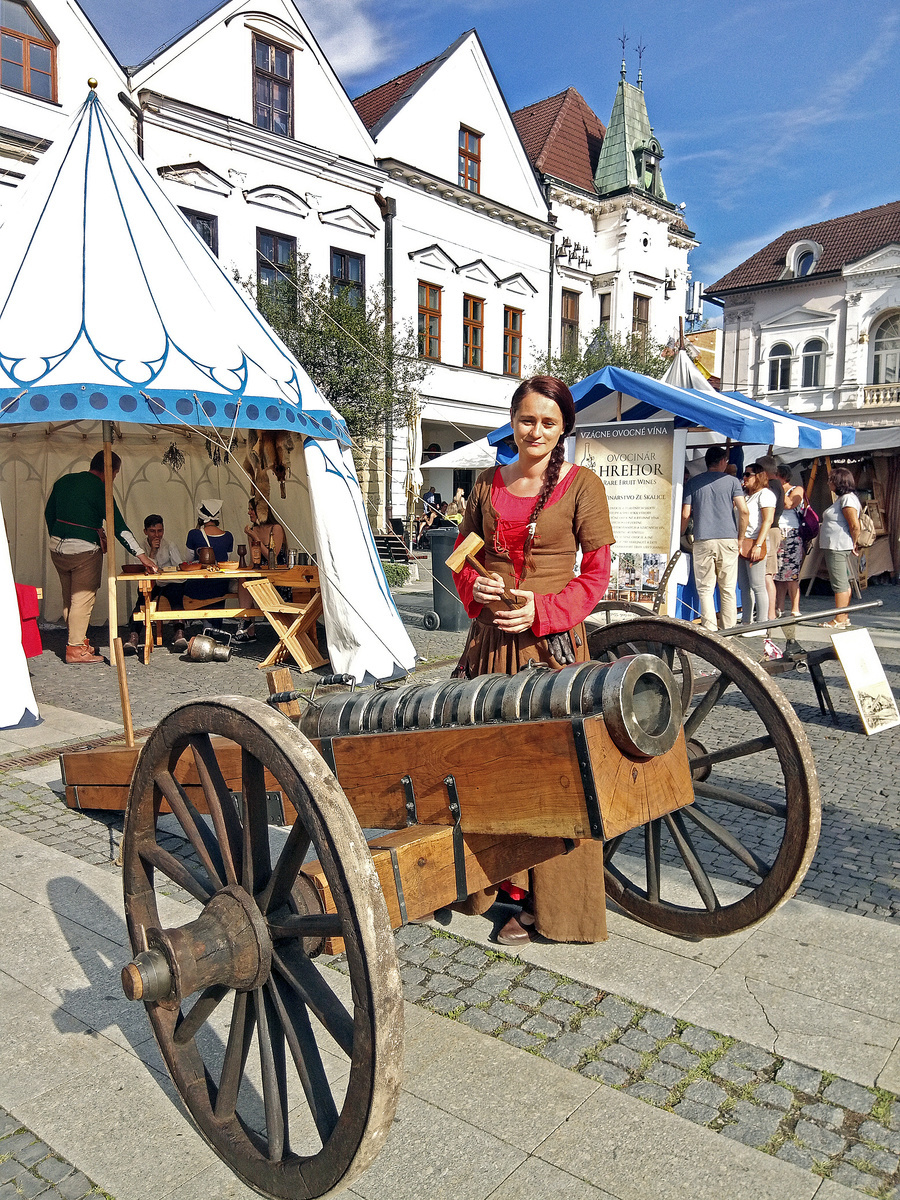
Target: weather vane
pixel 622 40
pixel 640 53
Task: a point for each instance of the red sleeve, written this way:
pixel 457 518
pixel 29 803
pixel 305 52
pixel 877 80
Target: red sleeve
pixel 568 608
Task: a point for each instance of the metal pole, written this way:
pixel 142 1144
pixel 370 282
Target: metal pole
pixel 762 626
pixel 110 541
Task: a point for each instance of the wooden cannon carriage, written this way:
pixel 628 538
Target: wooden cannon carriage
pixel 476 779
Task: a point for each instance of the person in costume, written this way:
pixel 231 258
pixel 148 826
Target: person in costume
pixel 534 515
pixel 207 593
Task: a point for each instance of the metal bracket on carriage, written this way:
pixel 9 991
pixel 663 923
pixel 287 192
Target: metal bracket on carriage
pixel 459 846
pixel 412 816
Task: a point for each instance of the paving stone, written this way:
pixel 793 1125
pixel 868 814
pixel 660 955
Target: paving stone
pixel 797 1076
pixel 412 975
pixel 474 956
pixel 657 1024
pixel 8 1170
pixel 818 1139
pixel 636 1039
pixel 473 996
pixel 8 1124
pixel 577 993
pixel 679 1056
pixel 649 1091
pixel 704 1092
pixel 596 1028
pixel 29 1185
pixel 850 1095
pixel 540 1025
pixel 850 1177
pixel 605 1071
pixel 629 1060
pixel 774 1096
pixel 567 1050
pixel 480 1020
pixel 541 981
pixel 412 993
pixel 8 1191
pixel 525 996
pixel 749 1056
pixel 723 1069
pixel 15 1143
pixel 443 1004
pixel 499 976
pixel 508 1013
pixel 619 1012
pixel 699 1039
pixel 871 1131
pixel 665 1074
pixel 442 983
pixel 518 1037
pixel 54 1169
pixel 560 1010
pixel 414 954
pixel 700 1114
pixel 755 1126
pixel 461 970
pixel 74 1186
pixel 798 1155
pixel 824 1114
pixel 880 1159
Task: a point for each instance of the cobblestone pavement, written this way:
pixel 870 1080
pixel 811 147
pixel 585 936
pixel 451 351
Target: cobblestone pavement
pixel 28 1167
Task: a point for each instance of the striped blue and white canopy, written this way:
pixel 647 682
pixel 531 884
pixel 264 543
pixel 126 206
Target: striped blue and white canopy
pixel 112 308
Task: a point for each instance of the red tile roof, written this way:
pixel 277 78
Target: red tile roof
pixel 373 105
pixel 562 136
pixel 843 240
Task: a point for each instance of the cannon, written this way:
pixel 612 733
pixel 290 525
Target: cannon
pixel 671 746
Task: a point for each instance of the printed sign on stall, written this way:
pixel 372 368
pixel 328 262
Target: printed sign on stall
pixel 868 682
pixel 634 459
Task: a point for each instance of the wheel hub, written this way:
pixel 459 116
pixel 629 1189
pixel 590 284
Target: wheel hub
pixel 228 945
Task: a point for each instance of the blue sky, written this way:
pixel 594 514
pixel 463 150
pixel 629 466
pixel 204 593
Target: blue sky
pixel 772 115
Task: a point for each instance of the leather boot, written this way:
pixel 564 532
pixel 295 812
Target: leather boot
pixel 82 654
pixel 179 642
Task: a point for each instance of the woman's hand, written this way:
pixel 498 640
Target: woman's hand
pixel 487 589
pixel 756 553
pixel 517 620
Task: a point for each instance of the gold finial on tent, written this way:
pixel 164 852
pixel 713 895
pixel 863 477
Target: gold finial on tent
pixel 92 84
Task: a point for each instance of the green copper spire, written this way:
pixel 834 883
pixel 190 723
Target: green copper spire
pixel 631 155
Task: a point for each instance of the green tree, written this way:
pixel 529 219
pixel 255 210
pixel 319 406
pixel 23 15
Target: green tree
pixel 599 349
pixel 365 369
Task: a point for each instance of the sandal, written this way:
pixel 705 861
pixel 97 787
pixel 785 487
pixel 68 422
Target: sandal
pixel 836 624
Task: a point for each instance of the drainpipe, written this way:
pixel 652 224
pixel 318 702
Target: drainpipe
pixel 550 299
pixel 138 114
pixel 388 207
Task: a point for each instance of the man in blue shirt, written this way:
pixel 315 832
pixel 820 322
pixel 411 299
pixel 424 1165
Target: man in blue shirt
pixel 713 499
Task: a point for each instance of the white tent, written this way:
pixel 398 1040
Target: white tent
pixel 112 309
pixel 17 703
pixel 477 456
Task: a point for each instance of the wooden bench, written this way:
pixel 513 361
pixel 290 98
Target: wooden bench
pixel 392 548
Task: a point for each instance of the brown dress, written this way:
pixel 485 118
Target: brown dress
pixel 567 892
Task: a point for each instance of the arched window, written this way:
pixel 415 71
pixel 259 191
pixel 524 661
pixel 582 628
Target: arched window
pixel 887 351
pixel 780 367
pixel 813 363
pixel 27 53
pixel 805 262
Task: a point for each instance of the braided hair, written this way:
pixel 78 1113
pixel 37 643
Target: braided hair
pixel 551 389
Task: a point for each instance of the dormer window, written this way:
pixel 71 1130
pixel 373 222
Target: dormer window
pixel 805 262
pixel 27 52
pixel 801 259
pixel 647 160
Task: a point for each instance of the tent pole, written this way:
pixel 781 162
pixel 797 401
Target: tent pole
pixel 110 541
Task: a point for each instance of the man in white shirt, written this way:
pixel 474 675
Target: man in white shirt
pixel 167 557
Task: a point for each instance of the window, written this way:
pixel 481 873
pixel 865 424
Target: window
pixel 568 336
pixel 27 54
pixel 473 332
pixel 512 341
pixel 780 367
pixel 275 257
pixel 207 227
pixel 640 315
pixel 887 351
pixel 605 308
pixel 273 68
pixel 469 160
pixel 813 363
pixel 429 321
pixel 805 262
pixel 348 276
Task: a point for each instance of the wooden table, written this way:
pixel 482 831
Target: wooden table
pixel 304 582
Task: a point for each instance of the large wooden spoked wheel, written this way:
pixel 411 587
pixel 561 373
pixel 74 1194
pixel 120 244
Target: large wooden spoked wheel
pixel 292 1087
pixel 743 846
pixel 617 612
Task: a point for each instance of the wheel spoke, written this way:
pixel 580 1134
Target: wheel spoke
pixel 196 830
pixel 738 750
pixel 220 803
pixel 274 1076
pixel 714 694
pixel 240 1036
pixel 676 827
pixel 652 831
pixel 315 993
pixel 771 808
pixel 173 868
pixel 257 861
pixel 307 925
pixel 727 839
pixel 307 1057
pixel 610 848
pixel 206 1004
pixel 289 862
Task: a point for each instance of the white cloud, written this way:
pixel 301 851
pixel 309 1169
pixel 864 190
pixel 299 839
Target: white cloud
pixel 355 39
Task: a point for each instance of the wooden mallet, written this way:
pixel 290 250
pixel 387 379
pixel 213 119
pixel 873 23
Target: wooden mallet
pixel 465 553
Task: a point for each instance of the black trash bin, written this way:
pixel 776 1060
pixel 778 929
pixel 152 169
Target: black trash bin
pixel 449 613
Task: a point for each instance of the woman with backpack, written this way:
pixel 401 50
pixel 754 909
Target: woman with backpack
pixel 839 540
